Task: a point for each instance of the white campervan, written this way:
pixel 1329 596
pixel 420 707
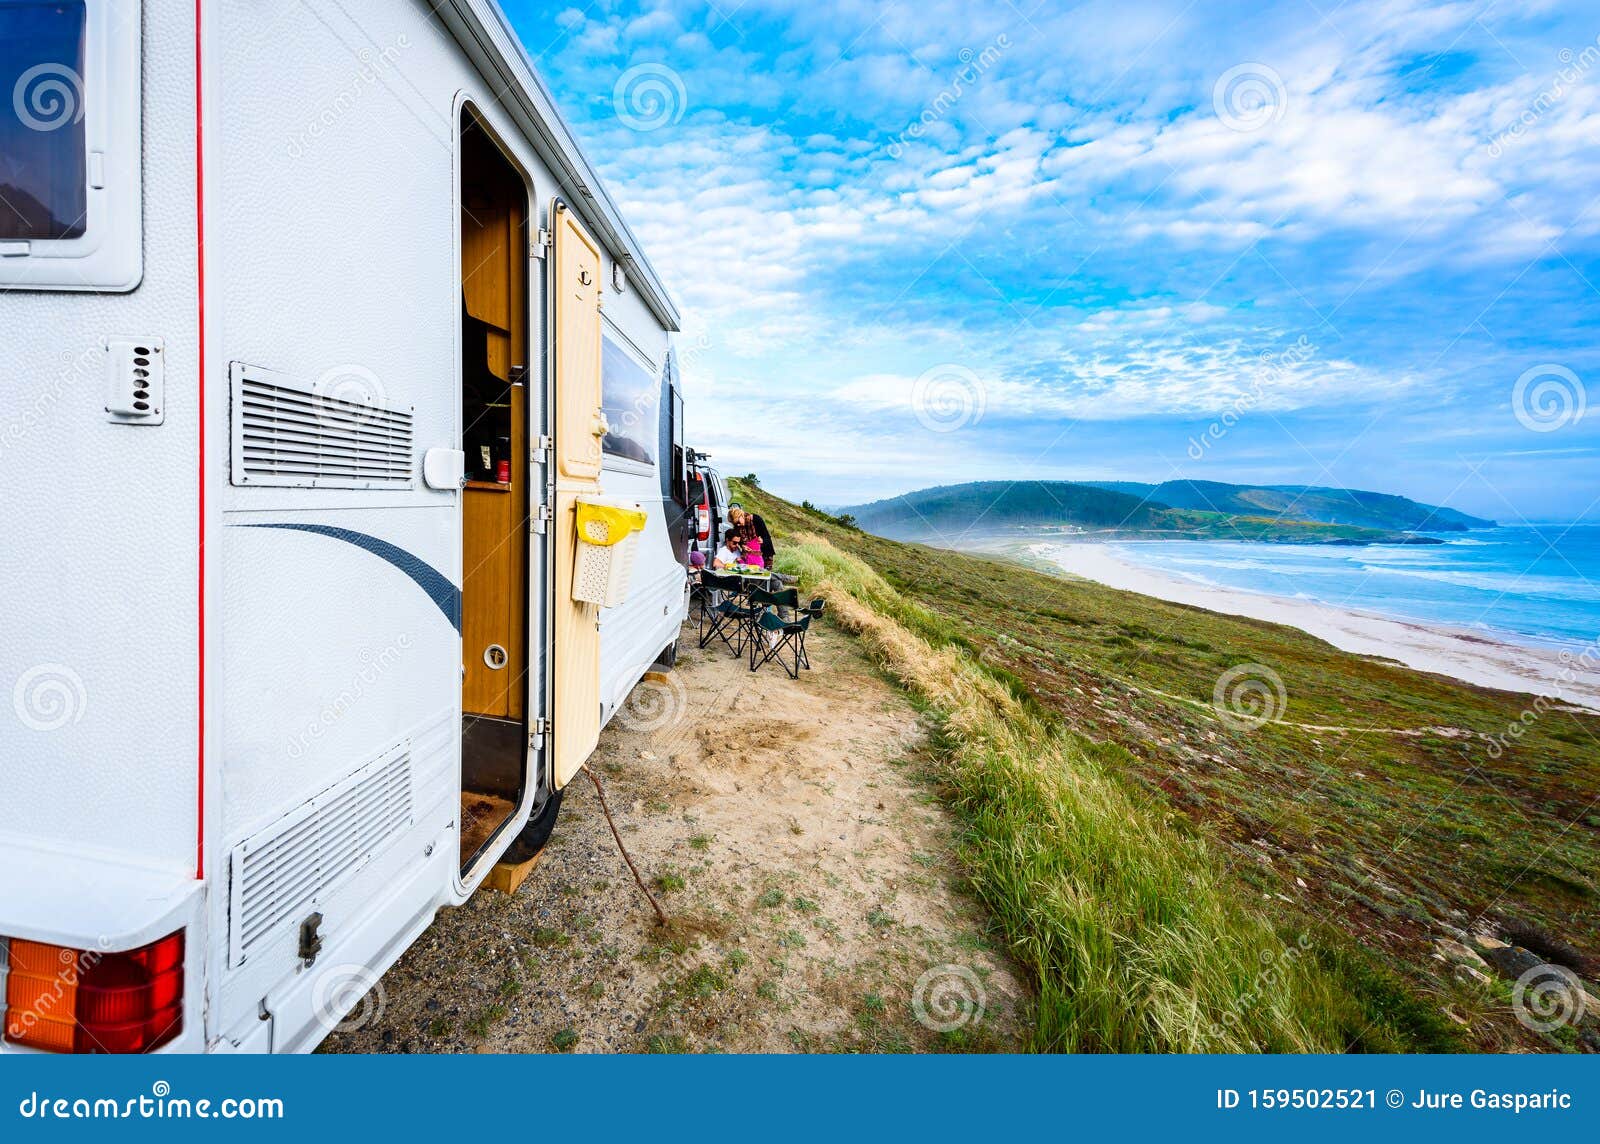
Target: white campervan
pixel 346 499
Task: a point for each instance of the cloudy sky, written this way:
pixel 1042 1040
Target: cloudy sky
pixel 923 242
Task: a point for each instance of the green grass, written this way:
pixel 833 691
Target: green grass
pixel 1135 849
pixel 545 936
pixel 669 882
pixel 486 1019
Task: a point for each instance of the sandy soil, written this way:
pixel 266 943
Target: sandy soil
pixel 792 834
pixel 1465 655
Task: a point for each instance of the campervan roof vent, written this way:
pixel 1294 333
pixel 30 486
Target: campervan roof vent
pixel 279 873
pixel 337 432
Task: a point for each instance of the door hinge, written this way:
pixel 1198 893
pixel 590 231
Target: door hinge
pixel 542 517
pixel 542 447
pixel 541 727
pixel 541 243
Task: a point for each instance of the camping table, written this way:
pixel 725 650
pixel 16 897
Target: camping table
pixel 767 579
pixel 761 579
pixel 747 580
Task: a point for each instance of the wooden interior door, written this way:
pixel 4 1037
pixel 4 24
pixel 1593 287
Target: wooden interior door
pixel 494 515
pixel 579 430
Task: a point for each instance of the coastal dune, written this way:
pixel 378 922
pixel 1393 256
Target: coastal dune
pixel 1470 656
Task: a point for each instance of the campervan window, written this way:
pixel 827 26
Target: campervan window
pixel 69 146
pixel 680 466
pixel 629 395
pixel 44 187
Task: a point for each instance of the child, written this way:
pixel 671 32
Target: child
pixel 751 551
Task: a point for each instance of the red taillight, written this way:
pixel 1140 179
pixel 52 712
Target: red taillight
pixel 703 521
pixel 82 1001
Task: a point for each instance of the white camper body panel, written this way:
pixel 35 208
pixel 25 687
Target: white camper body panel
pixel 99 628
pixel 634 633
pixel 332 677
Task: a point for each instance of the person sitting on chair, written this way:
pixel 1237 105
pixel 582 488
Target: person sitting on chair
pixel 729 554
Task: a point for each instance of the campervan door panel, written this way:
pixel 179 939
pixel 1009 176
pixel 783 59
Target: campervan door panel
pixel 575 664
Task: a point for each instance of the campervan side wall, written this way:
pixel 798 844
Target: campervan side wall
pixel 214 649
pixel 339 660
pixel 99 628
pixel 633 634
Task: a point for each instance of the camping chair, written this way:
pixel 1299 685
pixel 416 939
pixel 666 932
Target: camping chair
pixel 701 594
pixel 780 634
pixel 784 601
pixel 725 618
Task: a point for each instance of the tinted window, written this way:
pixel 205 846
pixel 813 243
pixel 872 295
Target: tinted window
pixel 629 395
pixel 43 185
pixel 680 468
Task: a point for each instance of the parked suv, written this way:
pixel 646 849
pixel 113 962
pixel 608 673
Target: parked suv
pixel 708 493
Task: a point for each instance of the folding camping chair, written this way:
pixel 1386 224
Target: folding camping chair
pixel 783 600
pixel 723 612
pixel 700 593
pixel 780 634
pixel 772 629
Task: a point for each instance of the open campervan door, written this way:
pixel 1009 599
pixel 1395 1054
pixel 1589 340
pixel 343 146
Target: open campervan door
pixel 579 429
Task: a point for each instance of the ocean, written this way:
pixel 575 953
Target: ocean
pixel 1533 584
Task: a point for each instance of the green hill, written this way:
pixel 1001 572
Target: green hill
pixel 1302 502
pixel 952 515
pixel 992 505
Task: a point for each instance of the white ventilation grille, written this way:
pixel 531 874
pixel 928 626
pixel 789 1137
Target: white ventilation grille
pixel 279 874
pixel 337 433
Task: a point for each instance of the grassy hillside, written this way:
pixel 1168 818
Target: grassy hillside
pixel 1147 855
pixel 953 514
pixel 986 505
pixel 1302 502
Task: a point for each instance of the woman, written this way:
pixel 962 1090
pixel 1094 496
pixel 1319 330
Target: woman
pixel 753 530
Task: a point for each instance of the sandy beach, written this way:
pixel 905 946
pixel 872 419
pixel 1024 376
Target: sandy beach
pixel 1470 656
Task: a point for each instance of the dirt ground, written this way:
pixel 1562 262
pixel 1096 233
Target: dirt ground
pixel 790 830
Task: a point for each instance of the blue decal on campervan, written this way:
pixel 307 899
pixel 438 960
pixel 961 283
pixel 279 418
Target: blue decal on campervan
pixel 423 574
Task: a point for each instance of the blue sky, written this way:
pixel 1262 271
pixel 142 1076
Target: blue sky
pixel 918 243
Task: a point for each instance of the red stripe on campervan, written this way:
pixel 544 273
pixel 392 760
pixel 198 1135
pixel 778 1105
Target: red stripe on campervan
pixel 200 288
